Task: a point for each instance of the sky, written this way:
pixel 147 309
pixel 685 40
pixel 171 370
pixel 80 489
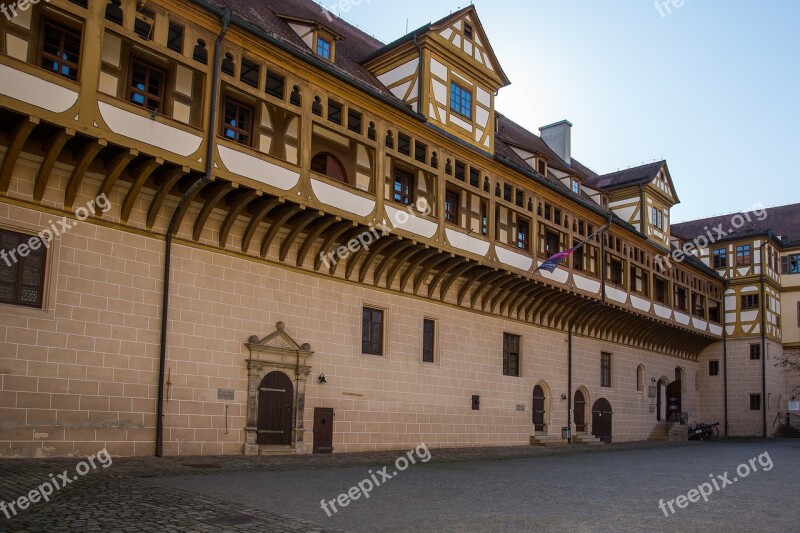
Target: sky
pixel 712 87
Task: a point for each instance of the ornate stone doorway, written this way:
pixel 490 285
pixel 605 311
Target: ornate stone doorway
pixel 281 359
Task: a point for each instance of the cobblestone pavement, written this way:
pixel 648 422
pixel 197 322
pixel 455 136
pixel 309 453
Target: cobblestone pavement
pixel 130 494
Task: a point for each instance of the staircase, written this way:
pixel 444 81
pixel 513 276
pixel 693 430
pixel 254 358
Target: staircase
pixel 585 438
pixel 787 432
pixel 275 450
pixel 659 433
pixel 547 440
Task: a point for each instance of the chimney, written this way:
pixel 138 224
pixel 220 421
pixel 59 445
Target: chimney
pixel 558 137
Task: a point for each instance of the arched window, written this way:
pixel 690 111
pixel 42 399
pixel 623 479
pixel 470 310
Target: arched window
pixel 316 106
pixel 326 164
pixel 640 378
pixel 295 98
pixel 678 374
pixel 228 65
pixel 114 11
pixel 200 53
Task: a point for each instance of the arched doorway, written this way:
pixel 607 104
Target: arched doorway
pixel 275 400
pixel 580 411
pixel 602 420
pixel 661 401
pixel 538 408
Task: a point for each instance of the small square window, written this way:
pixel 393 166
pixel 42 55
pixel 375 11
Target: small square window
pixel 404 144
pixel 403 187
pixel 713 368
pixel 175 38
pixel 372 331
pixel 335 112
pixel 143 26
pixel 461 100
pixel 251 72
pixel 22 278
pixel 323 47
pixel 238 122
pixel 276 85
pixel 755 352
pixel 354 121
pixel 474 177
pixel 461 170
pixel 755 402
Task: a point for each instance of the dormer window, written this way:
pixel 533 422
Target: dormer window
pixel 576 186
pixel 324 48
pixel 461 100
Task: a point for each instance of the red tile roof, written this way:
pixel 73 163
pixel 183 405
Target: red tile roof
pixel 784 221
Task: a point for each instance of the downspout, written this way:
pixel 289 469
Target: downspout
pixel 212 118
pixel 725 356
pixel 764 335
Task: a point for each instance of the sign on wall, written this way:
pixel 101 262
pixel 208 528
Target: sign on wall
pixel 794 406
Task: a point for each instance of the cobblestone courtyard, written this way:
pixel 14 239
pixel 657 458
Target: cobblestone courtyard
pixel 613 488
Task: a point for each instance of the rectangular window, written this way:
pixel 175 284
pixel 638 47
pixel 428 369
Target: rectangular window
pixel 175 38
pixel 713 368
pixel 577 259
pixel 461 100
pixel 335 112
pixel 660 287
pixel 790 264
pixel 372 331
pixel 60 50
pixel 451 207
pixel 743 257
pixel 755 352
pixel 542 166
pixel 21 269
pixel 576 187
pixel 467 31
pixel 485 221
pixel 148 86
pixel 523 233
pixel 661 220
pixel 520 198
pixel 616 272
pixel 720 258
pixel 404 144
pixel 428 340
pixel 461 171
pixel 420 151
pixel 143 25
pixel 354 121
pixel 238 122
pixel 714 311
pixel 508 192
pixel 749 301
pixel 323 47
pixel 474 177
pixel 680 298
pixel 551 243
pixel 403 187
pixel 510 354
pixel 276 85
pixel 755 402
pixel 251 72
pixel 605 369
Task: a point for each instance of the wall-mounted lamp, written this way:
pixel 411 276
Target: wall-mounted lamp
pixel 563 396
pixel 322 379
pixel 652 380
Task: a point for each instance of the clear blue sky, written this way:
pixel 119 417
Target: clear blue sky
pixel 712 87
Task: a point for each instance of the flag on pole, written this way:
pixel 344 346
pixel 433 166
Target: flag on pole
pixel 556 259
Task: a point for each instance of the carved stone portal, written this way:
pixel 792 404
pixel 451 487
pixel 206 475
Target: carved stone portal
pixel 277 352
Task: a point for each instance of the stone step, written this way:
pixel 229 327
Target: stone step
pixel 276 450
pixel 547 440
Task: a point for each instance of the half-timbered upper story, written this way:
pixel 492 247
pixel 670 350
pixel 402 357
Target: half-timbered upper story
pixel 757 252
pixel 322 134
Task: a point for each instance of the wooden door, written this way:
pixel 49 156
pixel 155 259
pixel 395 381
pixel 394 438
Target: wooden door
pixel 275 400
pixel 538 408
pixel 601 420
pixel 674 401
pixel 660 402
pixel 580 412
pixel 323 430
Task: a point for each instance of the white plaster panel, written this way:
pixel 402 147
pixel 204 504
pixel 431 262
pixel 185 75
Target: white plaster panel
pixel 342 199
pixel 257 169
pixel 35 91
pixel 149 131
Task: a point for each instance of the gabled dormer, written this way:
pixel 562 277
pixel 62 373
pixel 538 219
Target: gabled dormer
pixel 643 196
pixel 319 38
pixel 448 72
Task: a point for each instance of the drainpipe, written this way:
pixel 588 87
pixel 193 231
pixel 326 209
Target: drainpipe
pixel 725 356
pixel 212 118
pixel 764 335
pixel 569 379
